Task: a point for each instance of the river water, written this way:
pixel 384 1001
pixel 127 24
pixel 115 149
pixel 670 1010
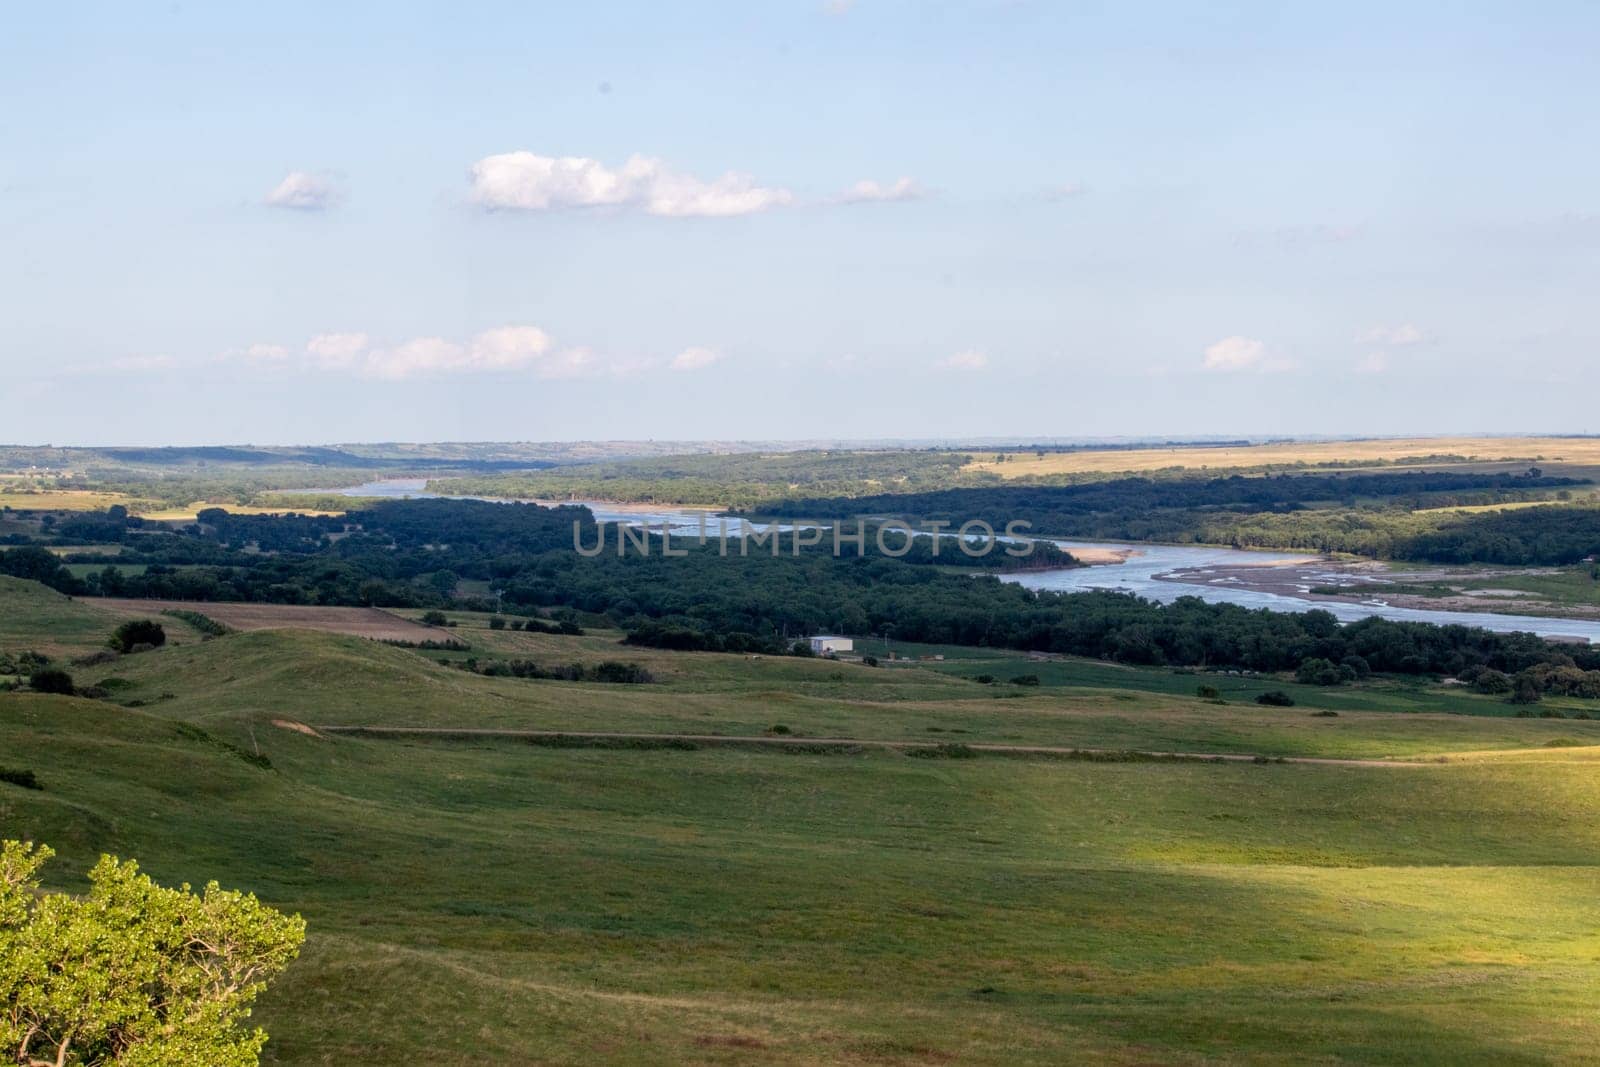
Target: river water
pixel 1141 573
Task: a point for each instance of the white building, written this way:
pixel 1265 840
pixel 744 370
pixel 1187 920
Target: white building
pixel 822 644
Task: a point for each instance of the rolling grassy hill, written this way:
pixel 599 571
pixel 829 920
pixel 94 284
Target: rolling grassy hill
pixel 495 901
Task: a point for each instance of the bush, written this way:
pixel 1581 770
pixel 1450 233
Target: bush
pixel 947 750
pixel 871 661
pixel 1276 698
pixel 25 779
pixel 1525 690
pixel 1207 692
pixel 1491 681
pixel 204 623
pixel 434 618
pixel 131 635
pixel 983 679
pixel 623 673
pixel 51 680
pixel 497 623
pixel 1315 671
pixel 1025 679
pixel 1358 666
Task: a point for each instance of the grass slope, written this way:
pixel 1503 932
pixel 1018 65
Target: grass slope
pixel 506 903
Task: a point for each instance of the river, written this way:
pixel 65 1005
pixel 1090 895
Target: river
pixel 1157 572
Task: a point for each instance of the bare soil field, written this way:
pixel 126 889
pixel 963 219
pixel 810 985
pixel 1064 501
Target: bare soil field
pixel 371 623
pixel 1551 450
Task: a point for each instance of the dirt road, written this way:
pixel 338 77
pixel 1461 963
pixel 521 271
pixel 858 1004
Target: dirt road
pixel 780 741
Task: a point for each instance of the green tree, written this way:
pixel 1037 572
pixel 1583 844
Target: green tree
pixel 51 680
pixel 132 973
pixel 135 633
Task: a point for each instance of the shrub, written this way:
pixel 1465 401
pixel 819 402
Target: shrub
pixel 1490 681
pixel 1525 690
pixel 983 679
pixel 131 635
pixel 1358 666
pixel 204 623
pixel 1324 714
pixel 946 750
pixel 1276 698
pixel 434 618
pixel 778 728
pixel 51 680
pixel 625 673
pixel 1315 671
pixel 1207 692
pixel 130 972
pixel 871 661
pixel 23 778
pixel 497 623
pixel 1025 679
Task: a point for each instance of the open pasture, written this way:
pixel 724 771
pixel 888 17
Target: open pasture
pixel 640 904
pixel 1547 451
pixel 372 623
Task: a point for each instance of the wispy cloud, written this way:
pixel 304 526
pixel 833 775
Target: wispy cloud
pixel 140 364
pixel 523 181
pixel 525 350
pixel 1373 363
pixel 304 191
pixel 695 358
pixel 1399 336
pixel 868 191
pixel 1234 354
pixel 970 359
pixel 837 7
pixel 507 348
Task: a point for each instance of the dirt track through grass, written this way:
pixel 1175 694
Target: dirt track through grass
pixel 599 738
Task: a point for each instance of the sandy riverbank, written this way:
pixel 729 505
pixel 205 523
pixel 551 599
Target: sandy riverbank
pixel 1368 582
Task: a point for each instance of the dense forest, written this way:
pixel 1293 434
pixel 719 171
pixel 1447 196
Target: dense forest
pixel 417 553
pixel 1386 516
pixel 734 481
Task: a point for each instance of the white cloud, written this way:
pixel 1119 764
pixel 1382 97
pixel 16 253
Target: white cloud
pixel 970 359
pixel 1399 336
pixel 524 350
pixel 522 181
pixel 509 346
pixel 337 349
pixel 696 358
pixel 869 191
pixel 1236 354
pixel 505 348
pixel 838 7
pixel 1373 363
pixel 303 191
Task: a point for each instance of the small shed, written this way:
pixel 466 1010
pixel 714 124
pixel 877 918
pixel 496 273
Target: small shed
pixel 823 644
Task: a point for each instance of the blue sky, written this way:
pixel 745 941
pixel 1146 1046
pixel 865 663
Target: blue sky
pixel 296 223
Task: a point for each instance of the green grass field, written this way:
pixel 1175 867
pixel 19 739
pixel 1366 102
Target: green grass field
pixel 491 901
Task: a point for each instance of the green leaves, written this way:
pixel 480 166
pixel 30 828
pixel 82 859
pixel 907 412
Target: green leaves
pixel 131 972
